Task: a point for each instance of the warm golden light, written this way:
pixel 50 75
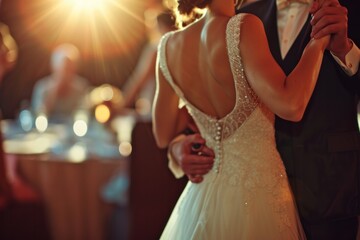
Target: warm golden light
pixel 106 93
pixel 99 28
pixel 125 149
pixel 102 113
pixel 86 4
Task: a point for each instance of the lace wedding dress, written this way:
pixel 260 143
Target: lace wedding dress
pixel 246 195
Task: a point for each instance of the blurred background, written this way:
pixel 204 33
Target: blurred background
pixel 110 38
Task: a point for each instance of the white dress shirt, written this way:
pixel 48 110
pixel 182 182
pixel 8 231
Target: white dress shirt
pixel 291 20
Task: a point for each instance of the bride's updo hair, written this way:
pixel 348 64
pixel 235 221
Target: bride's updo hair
pixel 186 7
pixel 186 11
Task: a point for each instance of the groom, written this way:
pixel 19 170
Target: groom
pixel 321 153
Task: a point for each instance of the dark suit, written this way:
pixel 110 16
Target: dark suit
pixel 321 152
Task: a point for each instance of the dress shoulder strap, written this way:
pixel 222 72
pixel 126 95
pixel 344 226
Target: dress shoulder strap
pixel 247 99
pixel 233 48
pixel 162 63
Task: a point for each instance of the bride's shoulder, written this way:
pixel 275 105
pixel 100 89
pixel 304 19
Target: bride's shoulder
pixel 249 24
pixel 165 37
pixel 166 40
pixel 246 18
pixel 171 42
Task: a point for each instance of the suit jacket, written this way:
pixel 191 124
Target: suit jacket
pixel 321 152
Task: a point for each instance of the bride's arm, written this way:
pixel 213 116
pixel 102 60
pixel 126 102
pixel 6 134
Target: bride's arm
pixel 168 119
pixel 286 96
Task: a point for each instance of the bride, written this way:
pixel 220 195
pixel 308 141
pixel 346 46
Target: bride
pixel 221 69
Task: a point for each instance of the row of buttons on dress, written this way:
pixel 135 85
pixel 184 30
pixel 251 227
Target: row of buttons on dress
pixel 218 147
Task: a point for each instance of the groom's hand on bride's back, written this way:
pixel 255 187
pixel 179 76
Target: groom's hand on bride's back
pixel 193 156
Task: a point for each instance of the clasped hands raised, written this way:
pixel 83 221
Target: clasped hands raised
pixel 330 18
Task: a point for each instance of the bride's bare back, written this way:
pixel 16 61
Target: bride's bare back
pixel 198 61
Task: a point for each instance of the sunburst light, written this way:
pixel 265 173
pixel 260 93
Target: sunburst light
pixel 99 27
pixel 86 4
pixel 108 33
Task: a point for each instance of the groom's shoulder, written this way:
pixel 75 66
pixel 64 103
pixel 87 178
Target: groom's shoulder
pixel 258 7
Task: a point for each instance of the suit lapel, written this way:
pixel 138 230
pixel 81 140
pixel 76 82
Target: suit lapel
pixel 267 12
pixel 296 50
pixel 270 24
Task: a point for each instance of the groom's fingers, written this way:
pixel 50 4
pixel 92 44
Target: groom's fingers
pixel 319 4
pixel 193 163
pixel 329 20
pixel 328 25
pixel 195 178
pixel 328 13
pixel 326 3
pixel 205 151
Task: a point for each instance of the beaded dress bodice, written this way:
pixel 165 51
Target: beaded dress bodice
pixel 220 133
pixel 248 180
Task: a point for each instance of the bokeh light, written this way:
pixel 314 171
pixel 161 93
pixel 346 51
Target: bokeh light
pixel 26 120
pixel 80 128
pixel 106 93
pixel 41 123
pixel 77 153
pixel 102 113
pixel 125 149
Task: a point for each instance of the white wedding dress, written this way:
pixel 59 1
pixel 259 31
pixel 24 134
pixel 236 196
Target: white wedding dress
pixel 246 195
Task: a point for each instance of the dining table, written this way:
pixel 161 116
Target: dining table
pixel 70 173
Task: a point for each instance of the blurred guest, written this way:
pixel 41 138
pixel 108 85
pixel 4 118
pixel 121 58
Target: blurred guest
pixel 21 213
pixel 61 93
pixel 138 93
pixel 8 50
pixel 139 89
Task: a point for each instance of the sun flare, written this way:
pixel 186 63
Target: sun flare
pixel 86 4
pixel 98 27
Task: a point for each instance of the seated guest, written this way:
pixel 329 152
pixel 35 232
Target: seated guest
pixel 63 91
pixel 22 215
